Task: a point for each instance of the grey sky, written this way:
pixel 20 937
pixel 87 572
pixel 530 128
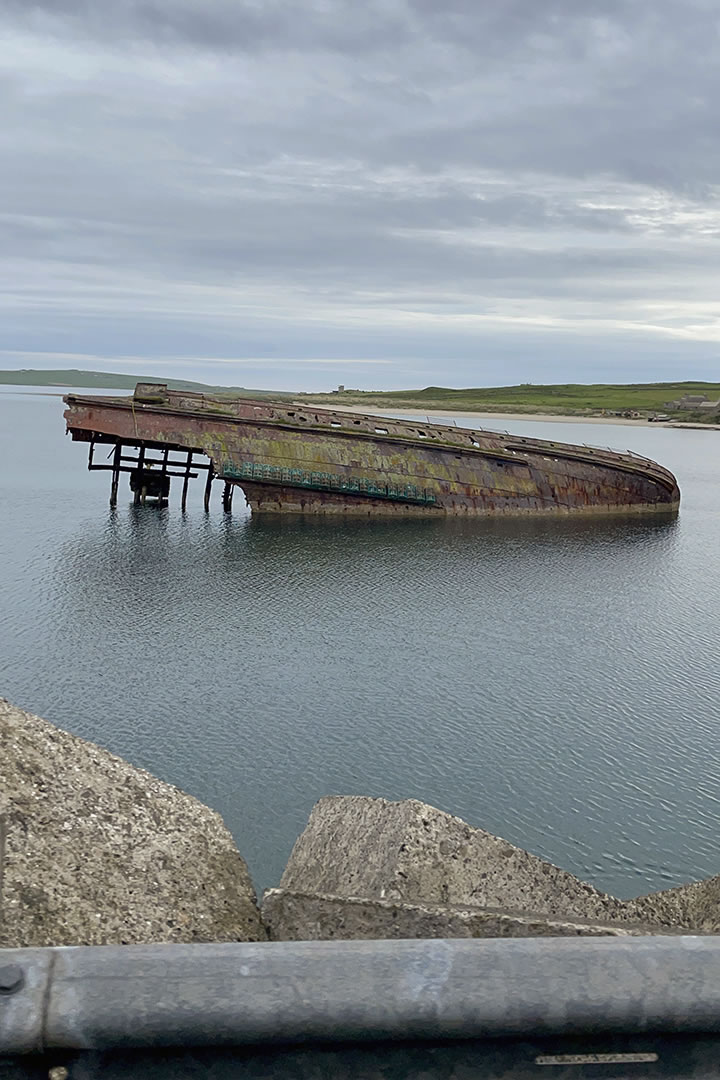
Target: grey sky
pixel 295 193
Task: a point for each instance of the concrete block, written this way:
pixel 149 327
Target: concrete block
pixel 292 916
pixel 696 906
pixel 98 852
pixel 354 846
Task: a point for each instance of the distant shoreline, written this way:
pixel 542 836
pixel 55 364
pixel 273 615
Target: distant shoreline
pixel 455 413
pixel 452 414
pixel 559 418
pixel 36 393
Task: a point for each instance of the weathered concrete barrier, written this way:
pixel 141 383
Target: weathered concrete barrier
pixel 98 852
pixel 291 916
pixel 696 906
pixel 367 867
pixel 367 848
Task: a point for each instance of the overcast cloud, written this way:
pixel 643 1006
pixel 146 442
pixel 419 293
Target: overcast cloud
pixel 295 193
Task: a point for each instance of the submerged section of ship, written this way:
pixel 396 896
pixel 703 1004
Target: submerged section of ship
pixel 293 458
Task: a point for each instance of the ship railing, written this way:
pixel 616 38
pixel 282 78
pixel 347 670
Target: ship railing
pixel 617 450
pixel 605 449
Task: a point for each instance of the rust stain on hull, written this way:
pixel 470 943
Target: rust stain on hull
pixel 290 459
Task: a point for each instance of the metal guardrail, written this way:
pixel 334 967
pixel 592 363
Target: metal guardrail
pixel 324 481
pixel 543 993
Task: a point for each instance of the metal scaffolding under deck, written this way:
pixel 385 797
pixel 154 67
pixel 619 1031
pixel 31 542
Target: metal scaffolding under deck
pixel 150 467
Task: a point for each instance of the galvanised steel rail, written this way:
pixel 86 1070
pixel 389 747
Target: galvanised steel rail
pixel 271 994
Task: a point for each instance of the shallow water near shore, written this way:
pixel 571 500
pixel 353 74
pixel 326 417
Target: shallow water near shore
pixel 556 681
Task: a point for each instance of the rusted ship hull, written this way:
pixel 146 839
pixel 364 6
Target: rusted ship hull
pixel 306 460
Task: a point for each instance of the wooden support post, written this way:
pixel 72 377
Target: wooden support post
pixel 186 481
pixel 115 474
pixel 208 486
pixel 228 497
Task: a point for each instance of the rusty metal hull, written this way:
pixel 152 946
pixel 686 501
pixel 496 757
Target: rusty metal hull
pixel 291 459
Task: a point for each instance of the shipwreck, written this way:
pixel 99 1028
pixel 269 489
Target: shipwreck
pixel 297 458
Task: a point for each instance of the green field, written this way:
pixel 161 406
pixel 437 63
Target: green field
pixel 566 399
pixel 563 399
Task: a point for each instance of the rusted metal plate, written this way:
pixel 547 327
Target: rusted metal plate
pixel 292 459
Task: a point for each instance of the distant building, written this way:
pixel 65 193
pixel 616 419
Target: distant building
pixel 695 403
pixel 340 388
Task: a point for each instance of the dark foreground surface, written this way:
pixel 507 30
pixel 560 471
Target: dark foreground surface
pixel 553 681
pixel 670 1058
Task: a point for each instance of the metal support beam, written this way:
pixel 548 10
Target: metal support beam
pixel 140 465
pixel 186 481
pixel 115 475
pixel 228 492
pixel 164 469
pixel 208 488
pixel 134 466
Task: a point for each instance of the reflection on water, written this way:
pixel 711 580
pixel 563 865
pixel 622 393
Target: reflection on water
pixel 553 679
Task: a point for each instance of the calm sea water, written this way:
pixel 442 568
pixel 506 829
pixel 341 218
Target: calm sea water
pixel 555 681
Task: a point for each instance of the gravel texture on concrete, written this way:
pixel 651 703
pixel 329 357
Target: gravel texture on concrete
pixel 290 916
pixel 696 906
pixel 355 846
pixel 99 852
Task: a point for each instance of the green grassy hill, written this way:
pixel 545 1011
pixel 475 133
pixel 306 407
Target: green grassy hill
pixel 111 380
pixel 562 398
pixel 107 380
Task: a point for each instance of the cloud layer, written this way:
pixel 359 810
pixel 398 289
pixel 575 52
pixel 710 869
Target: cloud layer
pixel 391 193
